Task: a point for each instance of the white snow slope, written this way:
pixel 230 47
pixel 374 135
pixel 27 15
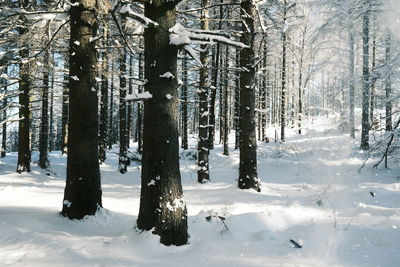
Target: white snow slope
pixel 312 193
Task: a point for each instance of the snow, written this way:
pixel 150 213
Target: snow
pixel 126 10
pixel 312 193
pixel 167 75
pixel 139 96
pixel 184 36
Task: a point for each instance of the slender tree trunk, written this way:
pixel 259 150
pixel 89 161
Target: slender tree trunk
pixel 372 92
pixel 351 85
pixel 283 78
pixel 64 116
pixel 184 103
pixel 140 109
pixel 388 85
pixel 51 115
pixel 221 101
pixel 24 152
pixel 366 83
pixel 4 126
pixel 104 99
pixel 44 125
pixel 111 121
pixel 130 104
pixel 237 99
pixel 226 104
pixel 213 93
pixel 263 92
pixel 82 195
pixel 300 92
pixel 161 201
pixel 248 177
pixel 123 155
pixel 203 175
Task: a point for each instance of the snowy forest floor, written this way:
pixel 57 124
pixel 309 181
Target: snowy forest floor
pixel 312 193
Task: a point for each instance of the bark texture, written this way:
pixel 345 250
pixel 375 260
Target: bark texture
pixel 203 141
pixel 248 177
pixel 365 82
pixel 24 152
pixel 161 201
pixel 82 195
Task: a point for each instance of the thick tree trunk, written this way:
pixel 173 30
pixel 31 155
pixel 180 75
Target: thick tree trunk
pixel 248 177
pixel 104 100
pixel 64 116
pixel 351 85
pixel 388 85
pixel 203 175
pixel 24 152
pixel 82 195
pixel 161 200
pixel 44 125
pixel 365 82
pixel 123 131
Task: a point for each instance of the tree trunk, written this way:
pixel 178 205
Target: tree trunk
pixel 365 82
pixel 221 101
pixel 203 142
pixel 372 86
pixel 123 156
pixel 64 116
pixel 140 109
pixel 44 125
pixel 351 85
pixel 263 91
pixel 130 105
pixel 104 100
pixel 184 103
pixel 226 104
pixel 237 99
pixel 51 115
pixel 4 131
pixel 213 94
pixel 300 104
pixel 248 177
pixel 24 152
pixel 82 195
pixel 111 121
pixel 283 78
pixel 388 85
pixel 161 200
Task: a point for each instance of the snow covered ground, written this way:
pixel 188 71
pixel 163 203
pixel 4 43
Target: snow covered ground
pixel 312 193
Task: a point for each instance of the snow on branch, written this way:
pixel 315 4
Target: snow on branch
pixel 128 12
pixel 184 37
pixel 138 97
pixel 181 36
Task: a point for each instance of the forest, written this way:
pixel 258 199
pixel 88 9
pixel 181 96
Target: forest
pixel 199 133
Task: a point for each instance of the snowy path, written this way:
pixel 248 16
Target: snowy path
pixel 312 193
